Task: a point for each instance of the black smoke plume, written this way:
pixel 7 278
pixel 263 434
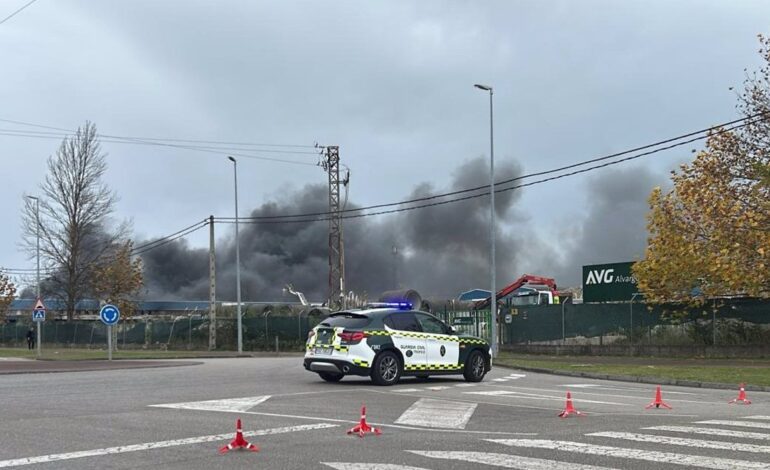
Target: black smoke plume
pixel 440 251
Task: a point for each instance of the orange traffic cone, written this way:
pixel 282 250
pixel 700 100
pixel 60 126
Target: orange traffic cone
pixel 239 442
pixel 569 409
pixel 362 427
pixel 741 397
pixel 658 401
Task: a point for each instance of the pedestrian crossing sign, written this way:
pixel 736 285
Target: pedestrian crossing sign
pixel 38 315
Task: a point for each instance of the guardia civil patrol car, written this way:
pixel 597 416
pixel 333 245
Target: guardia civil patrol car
pixel 386 342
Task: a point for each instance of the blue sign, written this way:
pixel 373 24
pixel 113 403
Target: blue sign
pixel 38 315
pixel 109 314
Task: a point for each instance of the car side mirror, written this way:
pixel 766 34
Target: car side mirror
pixel 452 330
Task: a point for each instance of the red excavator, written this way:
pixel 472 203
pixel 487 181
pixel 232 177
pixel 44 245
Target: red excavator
pixel 538 291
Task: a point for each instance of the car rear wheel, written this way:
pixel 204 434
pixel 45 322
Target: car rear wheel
pixel 330 376
pixel 475 367
pixel 386 369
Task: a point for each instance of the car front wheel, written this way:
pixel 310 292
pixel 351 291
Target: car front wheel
pixel 475 368
pixel 386 369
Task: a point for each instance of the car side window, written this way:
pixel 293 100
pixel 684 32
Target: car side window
pixel 431 325
pixel 403 322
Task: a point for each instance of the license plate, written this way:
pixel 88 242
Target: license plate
pixel 323 351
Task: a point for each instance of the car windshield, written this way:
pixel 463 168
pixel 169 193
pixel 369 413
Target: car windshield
pixel 347 320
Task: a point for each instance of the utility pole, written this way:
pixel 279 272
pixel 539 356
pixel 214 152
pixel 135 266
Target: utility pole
pixel 331 164
pixel 212 288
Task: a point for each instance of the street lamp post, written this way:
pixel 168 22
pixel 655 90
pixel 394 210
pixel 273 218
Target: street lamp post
pixel 237 260
pixel 493 303
pixel 37 289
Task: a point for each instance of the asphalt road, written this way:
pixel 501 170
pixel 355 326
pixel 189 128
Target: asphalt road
pixel 178 417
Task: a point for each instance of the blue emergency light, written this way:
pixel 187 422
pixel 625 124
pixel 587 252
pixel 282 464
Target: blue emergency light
pixel 398 305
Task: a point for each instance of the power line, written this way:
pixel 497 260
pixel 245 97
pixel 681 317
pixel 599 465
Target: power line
pixel 254 144
pixel 227 151
pixel 486 194
pixel 17 11
pixel 717 129
pixel 135 140
pixel 168 240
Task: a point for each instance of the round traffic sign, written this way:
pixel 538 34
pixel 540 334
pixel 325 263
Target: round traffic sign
pixel 109 314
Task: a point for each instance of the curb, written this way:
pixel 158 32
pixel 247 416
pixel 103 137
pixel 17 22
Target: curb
pixel 118 366
pixel 645 380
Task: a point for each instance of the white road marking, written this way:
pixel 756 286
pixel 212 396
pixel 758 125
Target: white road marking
pixel 622 389
pixel 442 414
pixel 740 424
pixel 683 441
pixel 713 432
pixel 368 466
pixel 466 385
pixel 646 398
pixel 505 460
pixel 436 389
pixel 635 454
pixel 533 396
pixel 406 390
pixel 229 405
pixel 510 377
pixel 758 417
pixel 156 445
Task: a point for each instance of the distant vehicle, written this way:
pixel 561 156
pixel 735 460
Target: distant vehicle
pixel 386 342
pixel 532 290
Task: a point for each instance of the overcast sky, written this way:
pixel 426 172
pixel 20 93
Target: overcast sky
pixel 391 83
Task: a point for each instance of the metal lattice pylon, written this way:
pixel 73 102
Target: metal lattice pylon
pixel 336 245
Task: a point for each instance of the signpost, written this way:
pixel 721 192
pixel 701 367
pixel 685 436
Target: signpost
pixel 109 314
pixel 38 316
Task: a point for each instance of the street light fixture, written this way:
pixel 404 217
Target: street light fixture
pixel 493 303
pixel 37 230
pixel 237 260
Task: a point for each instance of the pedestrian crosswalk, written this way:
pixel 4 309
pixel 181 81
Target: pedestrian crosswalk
pixel 710 444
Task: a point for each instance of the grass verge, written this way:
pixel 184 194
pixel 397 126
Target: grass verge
pixel 754 372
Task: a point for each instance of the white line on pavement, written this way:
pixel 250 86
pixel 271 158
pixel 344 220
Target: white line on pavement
pixel 406 390
pixel 758 417
pixel 532 396
pixel 683 441
pixel 229 404
pixel 740 424
pixel 442 414
pixel 155 445
pixel 368 466
pixel 506 461
pixel 348 421
pixel 712 432
pixel 635 454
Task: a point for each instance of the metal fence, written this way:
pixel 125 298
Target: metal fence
pixel 720 322
pixel 260 333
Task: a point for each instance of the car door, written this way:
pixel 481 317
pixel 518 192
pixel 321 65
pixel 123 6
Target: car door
pixel 407 337
pixel 443 349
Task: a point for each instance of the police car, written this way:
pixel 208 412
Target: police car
pixel 388 342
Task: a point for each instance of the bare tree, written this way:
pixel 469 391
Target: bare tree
pixel 74 208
